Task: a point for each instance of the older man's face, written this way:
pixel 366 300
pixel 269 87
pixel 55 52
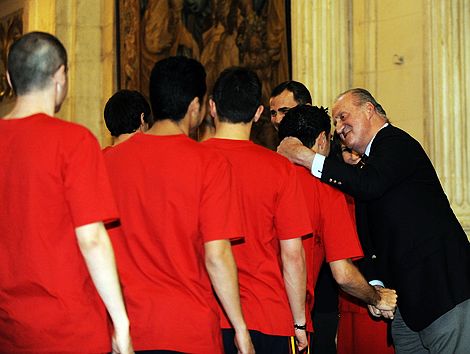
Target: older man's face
pixel 352 123
pixel 279 105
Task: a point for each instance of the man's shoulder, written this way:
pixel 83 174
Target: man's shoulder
pixel 54 126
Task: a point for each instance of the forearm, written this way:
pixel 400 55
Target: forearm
pixel 351 281
pixel 222 271
pixel 295 280
pixel 98 254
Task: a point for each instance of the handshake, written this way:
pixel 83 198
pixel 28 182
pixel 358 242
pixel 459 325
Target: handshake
pixel 386 303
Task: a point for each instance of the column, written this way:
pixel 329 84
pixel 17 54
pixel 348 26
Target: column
pixel 321 55
pixel 447 85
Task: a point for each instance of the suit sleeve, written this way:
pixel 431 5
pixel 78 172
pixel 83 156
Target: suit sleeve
pixel 388 165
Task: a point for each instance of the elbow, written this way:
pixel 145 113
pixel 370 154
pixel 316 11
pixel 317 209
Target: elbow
pixel 91 236
pixel 216 254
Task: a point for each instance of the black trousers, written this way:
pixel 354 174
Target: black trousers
pixel 263 343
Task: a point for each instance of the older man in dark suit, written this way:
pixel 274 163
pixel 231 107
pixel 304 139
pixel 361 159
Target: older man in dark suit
pixel 422 250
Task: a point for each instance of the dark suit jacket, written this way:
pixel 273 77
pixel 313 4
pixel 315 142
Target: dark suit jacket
pixel 422 250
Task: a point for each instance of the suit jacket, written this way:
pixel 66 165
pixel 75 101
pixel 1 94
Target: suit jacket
pixel 422 250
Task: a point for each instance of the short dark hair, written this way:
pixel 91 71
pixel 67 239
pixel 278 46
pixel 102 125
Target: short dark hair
pixel 32 61
pixel 299 91
pixel 123 110
pixel 305 123
pixel 363 96
pixel 174 83
pixel 237 95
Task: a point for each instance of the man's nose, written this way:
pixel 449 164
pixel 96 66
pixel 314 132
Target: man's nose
pixel 338 126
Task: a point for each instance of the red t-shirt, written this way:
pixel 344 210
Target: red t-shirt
pixel 334 235
pixel 52 180
pixel 173 195
pixel 273 209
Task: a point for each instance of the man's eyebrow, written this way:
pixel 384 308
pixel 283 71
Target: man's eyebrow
pixel 283 109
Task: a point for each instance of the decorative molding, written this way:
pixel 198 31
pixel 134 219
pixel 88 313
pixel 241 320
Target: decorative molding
pixel 11 28
pixel 365 44
pixel 321 53
pixel 447 89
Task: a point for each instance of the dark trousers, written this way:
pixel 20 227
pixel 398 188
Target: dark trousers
pixel 325 326
pixel 263 343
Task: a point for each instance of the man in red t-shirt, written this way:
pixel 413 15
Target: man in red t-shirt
pixel 334 235
pixel 55 195
pixel 178 214
pixel 271 260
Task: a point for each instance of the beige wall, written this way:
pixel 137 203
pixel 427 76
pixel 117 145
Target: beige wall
pixel 86 27
pixel 387 58
pixel 414 56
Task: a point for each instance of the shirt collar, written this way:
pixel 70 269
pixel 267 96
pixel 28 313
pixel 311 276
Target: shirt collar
pixel 367 152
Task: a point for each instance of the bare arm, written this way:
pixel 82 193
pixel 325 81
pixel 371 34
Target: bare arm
pixel 296 152
pixel 295 280
pixel 350 279
pixel 223 274
pixel 98 253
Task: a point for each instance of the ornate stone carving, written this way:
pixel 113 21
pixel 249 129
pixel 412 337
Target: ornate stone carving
pixel 11 28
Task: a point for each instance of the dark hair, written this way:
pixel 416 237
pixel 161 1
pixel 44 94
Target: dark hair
pixel 363 96
pixel 174 83
pixel 237 95
pixel 32 61
pixel 123 110
pixel 305 122
pixel 300 92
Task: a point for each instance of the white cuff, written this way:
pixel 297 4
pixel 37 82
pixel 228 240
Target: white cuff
pixel 317 165
pixel 377 282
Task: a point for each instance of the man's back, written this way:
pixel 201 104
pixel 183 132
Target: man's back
pixel 273 209
pixel 52 181
pixel 168 211
pixel 334 234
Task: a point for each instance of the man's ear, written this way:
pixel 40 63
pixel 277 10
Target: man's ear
pixel 60 76
pixel 9 80
pixel 194 106
pixel 320 143
pixel 370 109
pixel 258 113
pixel 212 108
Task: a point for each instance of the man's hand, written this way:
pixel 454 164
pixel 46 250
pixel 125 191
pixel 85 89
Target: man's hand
pixel 301 336
pixel 387 304
pixel 388 299
pixel 122 343
pixel 374 311
pixel 243 342
pixel 296 152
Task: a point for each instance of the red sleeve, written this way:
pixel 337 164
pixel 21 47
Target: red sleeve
pixel 87 189
pixel 291 214
pixel 338 227
pixel 220 216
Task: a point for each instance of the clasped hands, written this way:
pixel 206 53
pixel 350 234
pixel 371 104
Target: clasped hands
pixel 387 304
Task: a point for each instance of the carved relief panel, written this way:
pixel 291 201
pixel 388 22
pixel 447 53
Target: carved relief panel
pixel 11 28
